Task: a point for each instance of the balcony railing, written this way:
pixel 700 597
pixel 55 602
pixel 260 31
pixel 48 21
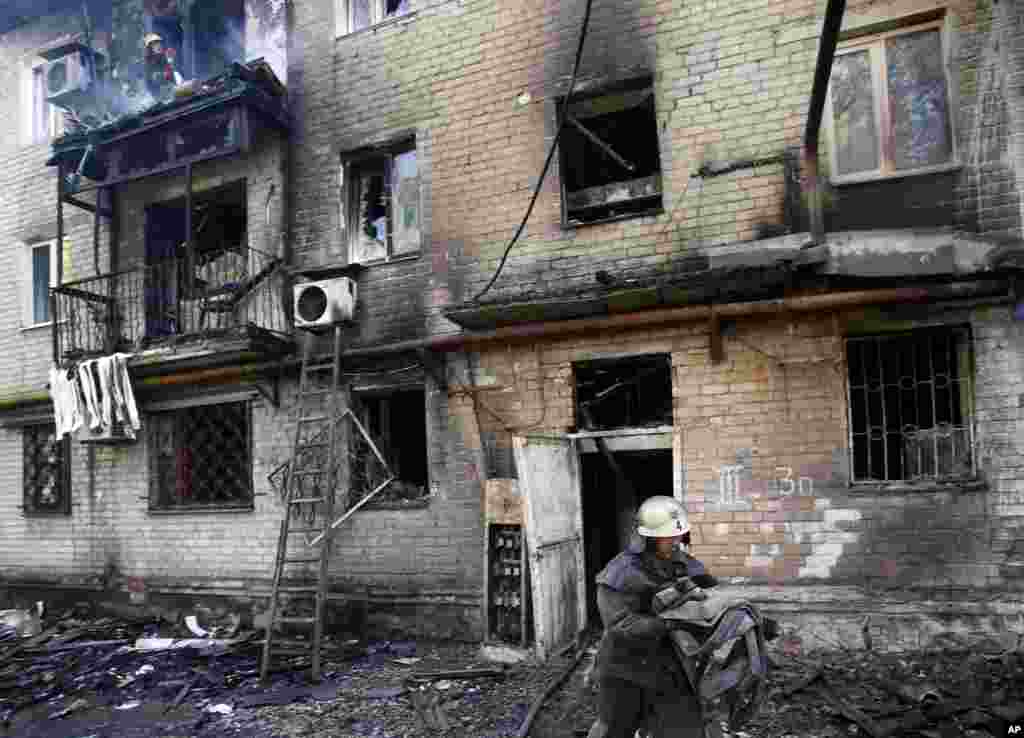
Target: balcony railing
pixel 209 295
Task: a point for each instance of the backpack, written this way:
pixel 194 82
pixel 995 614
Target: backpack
pixel 721 645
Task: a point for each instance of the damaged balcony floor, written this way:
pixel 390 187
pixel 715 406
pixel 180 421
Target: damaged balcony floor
pixel 66 683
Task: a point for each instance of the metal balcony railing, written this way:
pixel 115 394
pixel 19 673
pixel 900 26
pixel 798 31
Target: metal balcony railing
pixel 208 295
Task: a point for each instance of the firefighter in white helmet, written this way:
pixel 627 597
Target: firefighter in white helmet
pixel 641 685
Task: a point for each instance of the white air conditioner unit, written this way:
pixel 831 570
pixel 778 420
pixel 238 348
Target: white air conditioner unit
pixel 324 303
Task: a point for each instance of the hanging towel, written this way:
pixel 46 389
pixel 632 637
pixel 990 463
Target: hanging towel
pixel 88 383
pixel 105 373
pixel 66 412
pixel 126 394
pixel 74 392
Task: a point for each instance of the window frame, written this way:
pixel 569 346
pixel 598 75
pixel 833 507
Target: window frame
pixel 346 26
pixel 28 280
pixel 875 44
pixel 349 172
pixel 54 123
pixel 635 83
pixel 377 394
pixel 29 509
pixel 153 494
pixel 962 337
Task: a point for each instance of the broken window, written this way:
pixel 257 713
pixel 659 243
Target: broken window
pixel 382 211
pixel 201 458
pixel 889 104
pixel 397 422
pixel 624 393
pixel 360 14
pixel 610 160
pixel 46 470
pixel 911 405
pixel 218 263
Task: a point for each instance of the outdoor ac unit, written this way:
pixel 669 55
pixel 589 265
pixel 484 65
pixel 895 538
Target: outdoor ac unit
pixel 325 302
pixel 66 76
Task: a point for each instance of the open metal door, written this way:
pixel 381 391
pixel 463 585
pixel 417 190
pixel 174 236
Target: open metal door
pixel 548 466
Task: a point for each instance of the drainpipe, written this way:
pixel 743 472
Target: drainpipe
pixel 822 71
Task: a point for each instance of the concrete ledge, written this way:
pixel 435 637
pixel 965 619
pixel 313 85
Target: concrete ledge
pixel 834 616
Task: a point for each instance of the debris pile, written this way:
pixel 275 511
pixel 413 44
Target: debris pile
pixel 935 694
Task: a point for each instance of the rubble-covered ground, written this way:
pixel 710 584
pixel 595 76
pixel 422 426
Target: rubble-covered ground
pixel 83 676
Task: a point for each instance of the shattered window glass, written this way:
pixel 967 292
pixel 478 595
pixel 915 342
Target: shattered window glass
pixel 370 238
pixel 395 7
pixel 201 457
pixel 406 203
pixel 46 477
pixel 917 95
pixel 890 106
pixel 384 205
pixel 362 14
pixel 853 108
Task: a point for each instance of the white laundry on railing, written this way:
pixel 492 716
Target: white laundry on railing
pixel 100 388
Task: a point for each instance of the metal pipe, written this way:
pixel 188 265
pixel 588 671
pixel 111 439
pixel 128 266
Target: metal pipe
pixel 823 69
pixel 454 342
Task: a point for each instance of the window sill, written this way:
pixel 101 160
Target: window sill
pixel 43 514
pixel 855 179
pixel 971 484
pixel 383 24
pixel 202 510
pixel 385 262
pixel 571 225
pixel 417 504
pixel 39 326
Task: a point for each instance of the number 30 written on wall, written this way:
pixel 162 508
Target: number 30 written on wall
pixel 788 485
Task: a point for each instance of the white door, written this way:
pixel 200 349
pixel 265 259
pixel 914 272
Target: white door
pixel 548 466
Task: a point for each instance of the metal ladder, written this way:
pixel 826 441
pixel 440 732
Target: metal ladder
pixel 309 490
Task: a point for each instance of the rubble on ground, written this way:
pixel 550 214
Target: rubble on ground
pixel 86 673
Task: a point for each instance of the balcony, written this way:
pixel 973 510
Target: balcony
pixel 231 299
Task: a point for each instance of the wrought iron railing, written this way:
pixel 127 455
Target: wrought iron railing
pixel 206 295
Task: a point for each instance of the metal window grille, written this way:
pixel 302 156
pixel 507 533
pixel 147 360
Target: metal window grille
pixel 201 458
pixel 47 473
pixel 911 406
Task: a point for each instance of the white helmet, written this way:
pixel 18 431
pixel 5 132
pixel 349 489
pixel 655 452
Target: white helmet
pixel 662 517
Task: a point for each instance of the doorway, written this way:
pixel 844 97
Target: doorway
pixel 609 505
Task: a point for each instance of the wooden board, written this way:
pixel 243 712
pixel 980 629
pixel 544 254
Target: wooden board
pixel 549 477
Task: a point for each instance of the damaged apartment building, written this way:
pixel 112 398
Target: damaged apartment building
pixel 764 258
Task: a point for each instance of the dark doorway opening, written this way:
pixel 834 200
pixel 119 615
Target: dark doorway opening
pixel 609 505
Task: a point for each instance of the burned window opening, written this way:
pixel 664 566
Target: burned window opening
pixel 201 458
pixel 624 393
pixel 911 406
pixel 382 204
pixel 610 157
pixel 46 471
pixel 217 264
pixel 397 422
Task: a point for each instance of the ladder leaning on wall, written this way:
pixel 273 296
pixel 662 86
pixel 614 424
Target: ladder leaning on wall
pixel 309 489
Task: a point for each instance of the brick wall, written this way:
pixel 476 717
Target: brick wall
pixel 776 409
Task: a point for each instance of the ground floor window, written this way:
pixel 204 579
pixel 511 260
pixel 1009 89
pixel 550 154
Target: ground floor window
pixel 397 423
pixel 201 458
pixel 46 471
pixel 911 405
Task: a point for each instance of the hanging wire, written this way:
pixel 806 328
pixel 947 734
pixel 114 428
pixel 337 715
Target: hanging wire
pixel 551 152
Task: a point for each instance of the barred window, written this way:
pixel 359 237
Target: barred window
pixel 911 406
pixel 47 473
pixel 201 458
